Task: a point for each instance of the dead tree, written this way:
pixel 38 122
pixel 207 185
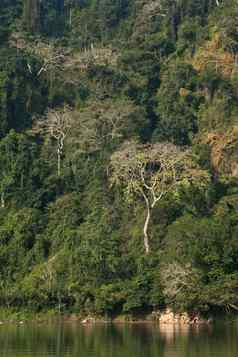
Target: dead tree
pixel 56 124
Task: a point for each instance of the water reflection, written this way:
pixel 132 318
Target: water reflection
pixel 119 340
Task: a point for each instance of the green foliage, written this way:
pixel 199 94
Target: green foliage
pixel 21 94
pixel 210 247
pixel 177 105
pixel 47 18
pixel 14 238
pixel 158 73
pixel 9 11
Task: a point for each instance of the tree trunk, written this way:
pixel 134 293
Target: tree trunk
pixel 59 301
pixel 2 200
pixel 174 23
pixel 31 15
pixel 70 16
pixel 59 161
pixel 146 226
pixel 22 181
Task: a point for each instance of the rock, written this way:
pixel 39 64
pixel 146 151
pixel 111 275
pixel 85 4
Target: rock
pixel 167 317
pixel 198 320
pixel 88 320
pixel 170 317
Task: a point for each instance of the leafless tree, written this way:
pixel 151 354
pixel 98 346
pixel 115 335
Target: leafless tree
pixel 101 123
pixel 56 124
pixel 151 172
pixel 51 57
pixel 177 279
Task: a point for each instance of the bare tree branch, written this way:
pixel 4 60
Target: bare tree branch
pixel 56 124
pixel 151 172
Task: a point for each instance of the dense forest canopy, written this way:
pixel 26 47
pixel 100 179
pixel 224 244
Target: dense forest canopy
pixel 119 155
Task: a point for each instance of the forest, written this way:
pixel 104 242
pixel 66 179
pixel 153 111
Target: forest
pixel 119 156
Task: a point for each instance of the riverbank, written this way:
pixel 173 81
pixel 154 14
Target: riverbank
pixel 166 316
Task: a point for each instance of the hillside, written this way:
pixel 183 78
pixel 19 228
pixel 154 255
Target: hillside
pixel 119 155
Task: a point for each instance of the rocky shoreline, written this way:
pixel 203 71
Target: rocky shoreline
pixel 170 317
pixel 167 316
pixel 161 317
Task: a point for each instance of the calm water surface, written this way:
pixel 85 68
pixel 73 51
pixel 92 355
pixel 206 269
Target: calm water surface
pixel 147 340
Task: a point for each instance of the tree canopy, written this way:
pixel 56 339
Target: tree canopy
pixel 118 155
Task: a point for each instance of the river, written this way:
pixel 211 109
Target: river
pixel 120 340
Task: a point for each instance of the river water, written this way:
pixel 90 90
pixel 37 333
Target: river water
pixel 120 340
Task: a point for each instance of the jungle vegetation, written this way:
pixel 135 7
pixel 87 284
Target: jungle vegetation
pixel 119 155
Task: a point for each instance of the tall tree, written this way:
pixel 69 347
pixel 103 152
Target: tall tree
pixel 56 124
pixel 31 15
pixel 151 172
